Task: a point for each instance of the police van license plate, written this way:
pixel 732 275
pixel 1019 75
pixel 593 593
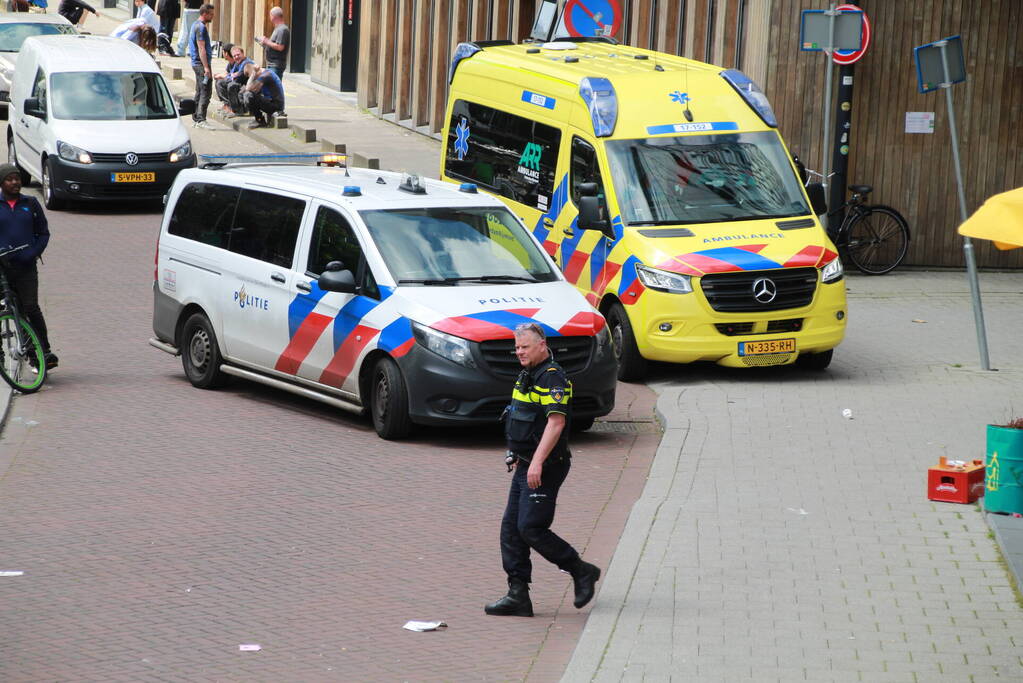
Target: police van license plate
pixel 758 348
pixel 149 177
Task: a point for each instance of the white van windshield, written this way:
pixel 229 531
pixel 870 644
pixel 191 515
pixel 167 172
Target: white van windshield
pixel 704 179
pixel 110 96
pixel 448 246
pixel 13 35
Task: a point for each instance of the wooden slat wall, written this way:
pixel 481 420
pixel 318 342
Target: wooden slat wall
pixel 915 173
pixel 406 45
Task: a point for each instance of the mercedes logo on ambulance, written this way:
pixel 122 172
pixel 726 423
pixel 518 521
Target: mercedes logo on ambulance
pixel 764 290
pixel 131 158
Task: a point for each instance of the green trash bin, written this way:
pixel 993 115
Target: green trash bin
pixel 1003 476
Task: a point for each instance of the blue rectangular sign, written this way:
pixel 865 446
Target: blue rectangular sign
pixel 930 72
pixel 691 127
pixel 538 99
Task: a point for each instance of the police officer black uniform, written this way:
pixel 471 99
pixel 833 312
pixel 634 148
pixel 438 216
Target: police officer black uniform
pixel 536 426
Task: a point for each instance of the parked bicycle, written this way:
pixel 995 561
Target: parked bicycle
pixel 22 362
pixel 873 237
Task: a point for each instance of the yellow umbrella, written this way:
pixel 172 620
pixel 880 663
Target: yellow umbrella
pixel 999 219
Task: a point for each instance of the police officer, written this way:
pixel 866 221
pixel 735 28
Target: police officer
pixel 536 426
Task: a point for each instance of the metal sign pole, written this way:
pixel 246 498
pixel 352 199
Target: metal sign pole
pixel 971 263
pixel 828 49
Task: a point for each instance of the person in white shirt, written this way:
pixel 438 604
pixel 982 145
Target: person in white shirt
pixel 146 12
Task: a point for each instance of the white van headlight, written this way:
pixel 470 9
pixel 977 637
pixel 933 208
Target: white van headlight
pixel 182 152
pixel 445 345
pixel 72 153
pixel 833 271
pixel 664 281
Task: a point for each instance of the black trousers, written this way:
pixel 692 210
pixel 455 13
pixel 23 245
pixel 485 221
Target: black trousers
pixel 25 283
pixel 262 108
pixel 527 522
pixel 203 90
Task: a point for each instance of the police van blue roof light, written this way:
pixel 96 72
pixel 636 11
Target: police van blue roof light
pixel 753 95
pixel 599 95
pixel 463 51
pixel 352 191
pixel 469 187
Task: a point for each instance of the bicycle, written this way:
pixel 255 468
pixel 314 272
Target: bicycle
pixel 22 362
pixel 873 237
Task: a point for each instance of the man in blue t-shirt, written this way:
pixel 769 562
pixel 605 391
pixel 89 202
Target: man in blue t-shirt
pixel 263 95
pixel 200 49
pixel 229 84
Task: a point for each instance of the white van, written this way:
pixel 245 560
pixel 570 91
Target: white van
pixel 92 118
pixel 367 291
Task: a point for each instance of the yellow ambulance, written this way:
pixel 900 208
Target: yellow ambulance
pixel 663 190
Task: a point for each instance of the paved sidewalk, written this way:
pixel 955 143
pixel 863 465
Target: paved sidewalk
pixel 777 540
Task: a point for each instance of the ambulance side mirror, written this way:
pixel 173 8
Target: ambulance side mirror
pixel 590 214
pixel 335 278
pixel 818 202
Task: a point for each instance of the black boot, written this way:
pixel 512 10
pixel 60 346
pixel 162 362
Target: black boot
pixel 515 604
pixel 584 576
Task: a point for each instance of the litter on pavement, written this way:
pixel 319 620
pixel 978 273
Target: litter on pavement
pixel 250 648
pixel 421 626
pixel 11 573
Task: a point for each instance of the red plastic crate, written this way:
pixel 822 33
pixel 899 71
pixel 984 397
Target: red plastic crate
pixel 955 483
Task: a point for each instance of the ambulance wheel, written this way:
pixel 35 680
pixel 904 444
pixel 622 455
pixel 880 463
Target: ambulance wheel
pixel 200 355
pixel 815 361
pixel 389 401
pixel 631 365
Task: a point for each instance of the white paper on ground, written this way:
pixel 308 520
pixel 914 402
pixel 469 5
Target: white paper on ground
pixel 11 573
pixel 421 626
pixel 250 648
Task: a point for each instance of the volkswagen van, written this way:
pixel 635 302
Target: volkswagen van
pixel 366 290
pixel 664 191
pixel 92 118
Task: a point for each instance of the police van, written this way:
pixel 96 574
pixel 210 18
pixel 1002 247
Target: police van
pixel 367 290
pixel 664 191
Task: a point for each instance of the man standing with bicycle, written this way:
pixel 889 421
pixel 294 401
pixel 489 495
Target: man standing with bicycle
pixel 22 221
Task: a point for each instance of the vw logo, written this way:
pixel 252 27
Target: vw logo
pixel 764 290
pixel 131 158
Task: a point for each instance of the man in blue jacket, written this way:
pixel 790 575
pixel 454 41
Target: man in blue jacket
pixel 22 221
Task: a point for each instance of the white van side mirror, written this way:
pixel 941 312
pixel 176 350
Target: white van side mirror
pixel 33 108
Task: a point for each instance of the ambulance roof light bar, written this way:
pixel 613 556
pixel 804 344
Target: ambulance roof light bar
pixel 753 95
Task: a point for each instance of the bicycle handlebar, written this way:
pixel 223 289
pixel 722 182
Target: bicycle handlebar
pixel 12 250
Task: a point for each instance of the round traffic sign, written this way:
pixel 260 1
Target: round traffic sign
pixel 588 18
pixel 850 56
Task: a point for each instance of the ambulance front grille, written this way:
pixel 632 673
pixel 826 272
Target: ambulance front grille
pixel 733 292
pixel 573 353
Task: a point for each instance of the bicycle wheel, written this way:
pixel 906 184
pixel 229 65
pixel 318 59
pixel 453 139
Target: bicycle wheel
pixel 878 240
pixel 24 368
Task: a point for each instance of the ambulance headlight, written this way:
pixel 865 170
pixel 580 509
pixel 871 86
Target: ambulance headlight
pixel 664 281
pixel 445 345
pixel 833 271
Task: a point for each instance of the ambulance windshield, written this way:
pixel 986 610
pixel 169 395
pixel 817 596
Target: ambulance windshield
pixel 456 246
pixel 704 179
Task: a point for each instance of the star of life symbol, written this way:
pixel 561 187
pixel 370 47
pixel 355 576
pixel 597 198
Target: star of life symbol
pixel 680 97
pixel 462 139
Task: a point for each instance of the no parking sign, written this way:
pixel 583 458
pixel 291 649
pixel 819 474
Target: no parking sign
pixel 588 18
pixel 852 56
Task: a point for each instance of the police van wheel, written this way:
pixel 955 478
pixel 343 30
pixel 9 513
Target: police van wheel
pixel 200 355
pixel 631 365
pixel 389 401
pixel 581 424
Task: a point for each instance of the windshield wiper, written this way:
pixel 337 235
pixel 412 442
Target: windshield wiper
pixel 450 282
pixel 491 278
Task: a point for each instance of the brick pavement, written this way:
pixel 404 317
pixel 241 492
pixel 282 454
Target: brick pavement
pixel 159 526
pixel 777 540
